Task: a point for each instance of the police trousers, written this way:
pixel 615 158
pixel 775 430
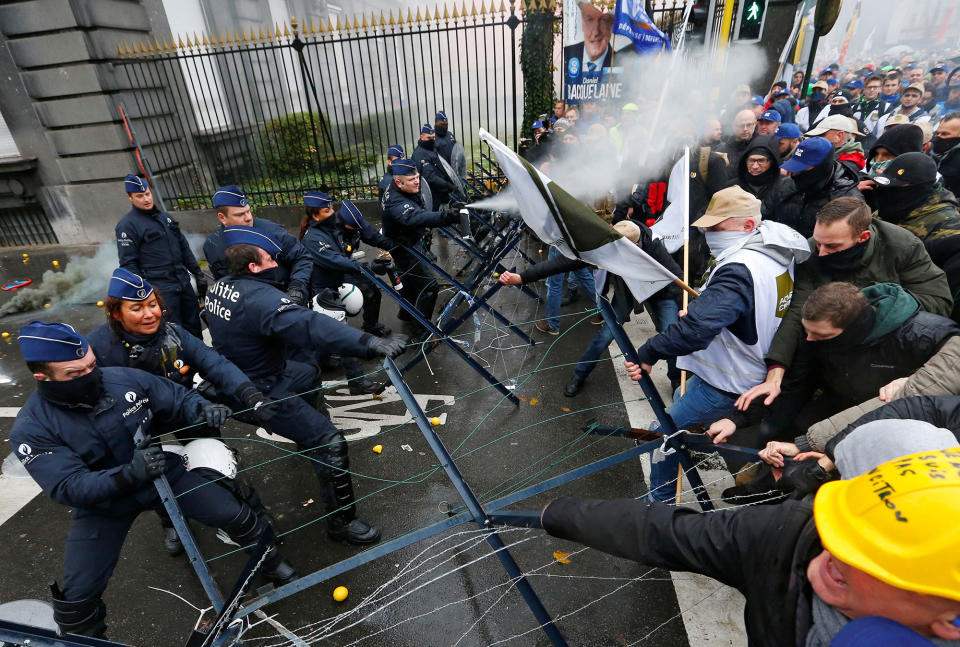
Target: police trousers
pixel 96 536
pixel 182 306
pixel 419 282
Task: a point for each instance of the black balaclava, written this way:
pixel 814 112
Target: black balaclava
pixel 84 391
pixel 894 203
pixel 816 178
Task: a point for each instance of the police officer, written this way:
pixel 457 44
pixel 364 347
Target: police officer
pixel 405 221
pixel 150 244
pixel 137 335
pixel 447 145
pixel 75 436
pixel 295 263
pixel 393 153
pixel 252 322
pixel 428 164
pixel 331 240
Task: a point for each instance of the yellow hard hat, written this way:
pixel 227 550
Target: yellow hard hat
pixel 898 521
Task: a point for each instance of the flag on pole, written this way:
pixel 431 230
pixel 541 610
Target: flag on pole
pixel 631 20
pixel 559 219
pixel 852 27
pixel 672 226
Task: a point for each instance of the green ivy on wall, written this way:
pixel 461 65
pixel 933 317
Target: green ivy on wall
pixel 536 62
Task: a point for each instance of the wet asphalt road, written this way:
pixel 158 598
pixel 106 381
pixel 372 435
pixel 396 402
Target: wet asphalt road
pixel 455 591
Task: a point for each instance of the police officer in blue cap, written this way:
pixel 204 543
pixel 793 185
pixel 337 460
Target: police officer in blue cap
pixel 428 164
pixel 405 221
pixel 137 335
pixel 252 323
pixel 150 244
pixel 331 240
pixel 393 153
pixel 447 145
pixel 75 436
pixel 295 265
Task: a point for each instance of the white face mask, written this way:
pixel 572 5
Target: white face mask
pixel 718 241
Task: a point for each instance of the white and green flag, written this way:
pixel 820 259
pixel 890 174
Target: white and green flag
pixel 561 220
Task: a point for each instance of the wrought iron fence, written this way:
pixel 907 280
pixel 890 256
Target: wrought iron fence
pixel 308 105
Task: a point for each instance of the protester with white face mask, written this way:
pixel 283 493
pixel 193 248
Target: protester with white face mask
pixel 727 330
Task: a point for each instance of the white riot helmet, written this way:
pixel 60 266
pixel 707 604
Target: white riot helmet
pixel 351 298
pixel 212 454
pixel 327 302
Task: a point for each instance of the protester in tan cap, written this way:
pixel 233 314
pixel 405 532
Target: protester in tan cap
pixel 727 330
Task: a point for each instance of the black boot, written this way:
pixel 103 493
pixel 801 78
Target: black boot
pixel 245 529
pixel 343 524
pixel 363 386
pixel 85 618
pixel 377 330
pixel 573 387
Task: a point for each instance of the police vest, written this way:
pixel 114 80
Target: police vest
pixel 728 363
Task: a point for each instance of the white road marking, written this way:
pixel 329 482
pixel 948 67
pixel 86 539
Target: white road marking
pixel 9 412
pixel 718 620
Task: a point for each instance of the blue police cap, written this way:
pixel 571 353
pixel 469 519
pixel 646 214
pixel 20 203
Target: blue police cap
pixel 771 115
pixel 426 129
pixel 404 167
pixel 856 84
pixel 788 131
pixel 229 196
pixel 135 184
pixel 756 100
pixel 441 116
pixel 350 215
pixel 536 124
pixel 396 150
pixel 939 68
pixel 51 342
pixel 317 199
pixel 240 235
pixel 809 153
pixel 128 286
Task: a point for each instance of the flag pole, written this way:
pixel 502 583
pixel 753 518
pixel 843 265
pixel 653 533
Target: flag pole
pixel 686 278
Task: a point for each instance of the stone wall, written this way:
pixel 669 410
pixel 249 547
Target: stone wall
pixel 59 100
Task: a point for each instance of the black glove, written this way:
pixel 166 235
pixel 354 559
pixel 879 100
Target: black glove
pixel 387 347
pixel 213 415
pixel 201 286
pixel 148 463
pixel 297 293
pixel 451 216
pixel 254 399
pixel 380 265
pixel 457 205
pixel 804 477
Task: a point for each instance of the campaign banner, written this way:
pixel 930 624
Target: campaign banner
pixel 593 64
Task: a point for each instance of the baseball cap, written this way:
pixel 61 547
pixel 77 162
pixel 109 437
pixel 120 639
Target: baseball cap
pixel 820 84
pixel 732 202
pixel 756 100
pixel 939 68
pixel 909 168
pixel 832 81
pixel 833 122
pixel 788 131
pixel 856 84
pixel 771 115
pixel 896 120
pixel 809 153
pixel 915 86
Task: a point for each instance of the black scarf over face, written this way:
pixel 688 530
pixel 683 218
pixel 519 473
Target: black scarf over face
pixel 81 392
pixel 815 179
pixel 894 203
pixel 853 334
pixel 843 260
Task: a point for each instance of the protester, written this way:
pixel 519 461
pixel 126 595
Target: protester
pixel 945 150
pixel 788 136
pixel 768 122
pixel 759 174
pixel 818 178
pixel 744 126
pixel 852 247
pixel 728 328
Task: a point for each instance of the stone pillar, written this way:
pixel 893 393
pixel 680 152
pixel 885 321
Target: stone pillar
pixel 59 102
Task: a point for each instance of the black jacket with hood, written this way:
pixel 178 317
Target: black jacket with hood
pixel 770 187
pixel 816 187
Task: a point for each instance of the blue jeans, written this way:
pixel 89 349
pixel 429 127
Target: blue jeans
pixel 665 312
pixel 584 279
pixel 701 404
